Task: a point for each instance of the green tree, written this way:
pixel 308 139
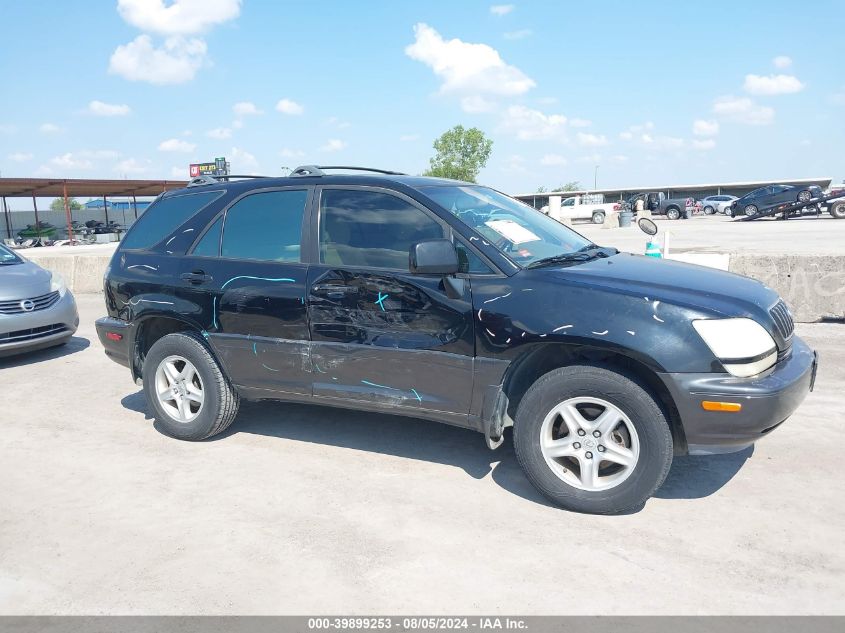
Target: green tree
pixel 59 204
pixel 572 185
pixel 461 154
pixel 541 189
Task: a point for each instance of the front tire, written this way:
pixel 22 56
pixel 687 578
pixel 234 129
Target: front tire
pixel 751 210
pixel 804 196
pixel 709 210
pixel 592 440
pixel 186 390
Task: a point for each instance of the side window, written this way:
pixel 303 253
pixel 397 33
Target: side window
pixel 469 262
pixel 209 245
pixel 265 226
pixel 165 215
pixel 568 202
pixel 368 228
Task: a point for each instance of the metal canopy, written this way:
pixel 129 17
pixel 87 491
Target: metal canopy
pixel 58 187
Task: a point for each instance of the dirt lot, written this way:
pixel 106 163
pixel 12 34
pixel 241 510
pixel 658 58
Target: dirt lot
pixel 314 510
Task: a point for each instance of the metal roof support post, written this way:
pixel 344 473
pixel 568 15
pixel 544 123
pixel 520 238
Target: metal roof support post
pixel 35 207
pixel 67 214
pixel 8 220
pixel 135 206
pixel 106 209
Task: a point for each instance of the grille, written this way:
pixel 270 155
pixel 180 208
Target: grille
pixel 38 303
pixel 783 319
pixel 31 333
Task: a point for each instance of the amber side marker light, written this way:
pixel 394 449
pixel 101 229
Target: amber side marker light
pixel 114 336
pixel 730 407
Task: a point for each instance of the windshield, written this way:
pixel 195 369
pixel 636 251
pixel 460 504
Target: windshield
pixel 521 232
pixel 8 257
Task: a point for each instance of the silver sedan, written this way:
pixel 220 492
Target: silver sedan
pixel 36 308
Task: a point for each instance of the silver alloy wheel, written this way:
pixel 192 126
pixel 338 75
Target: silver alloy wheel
pixel 804 196
pixel 179 389
pixel 751 210
pixel 589 443
pixel 708 210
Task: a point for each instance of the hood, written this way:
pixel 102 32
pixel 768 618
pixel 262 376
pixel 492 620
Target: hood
pixel 705 289
pixel 21 281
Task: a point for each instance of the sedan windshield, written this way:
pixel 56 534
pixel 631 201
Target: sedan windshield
pixel 524 234
pixel 8 257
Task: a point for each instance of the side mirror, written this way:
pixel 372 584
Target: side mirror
pixel 433 257
pixel 647 226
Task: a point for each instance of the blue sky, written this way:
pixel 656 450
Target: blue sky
pixel 651 92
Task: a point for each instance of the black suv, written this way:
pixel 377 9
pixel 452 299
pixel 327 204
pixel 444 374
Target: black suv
pixel 450 301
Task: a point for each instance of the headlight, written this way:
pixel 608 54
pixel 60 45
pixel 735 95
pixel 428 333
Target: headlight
pixel 742 345
pixel 57 283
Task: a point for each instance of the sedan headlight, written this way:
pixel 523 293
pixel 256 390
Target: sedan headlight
pixel 57 284
pixel 742 345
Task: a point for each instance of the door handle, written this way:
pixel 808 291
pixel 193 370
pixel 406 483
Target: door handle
pixel 196 277
pixel 333 291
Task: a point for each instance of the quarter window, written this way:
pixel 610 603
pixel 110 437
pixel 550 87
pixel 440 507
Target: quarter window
pixel 372 229
pixel 164 216
pixel 209 245
pixel 265 226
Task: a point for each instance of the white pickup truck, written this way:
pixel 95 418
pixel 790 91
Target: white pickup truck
pixel 589 207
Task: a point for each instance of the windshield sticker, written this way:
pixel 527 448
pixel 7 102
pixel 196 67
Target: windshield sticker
pixel 512 231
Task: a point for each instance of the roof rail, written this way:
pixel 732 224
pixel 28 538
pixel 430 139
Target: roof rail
pixel 199 181
pixel 319 170
pixel 230 176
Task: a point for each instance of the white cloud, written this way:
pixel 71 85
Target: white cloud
pixel 49 128
pixel 501 9
pixel 132 166
pixel 291 153
pixel 335 122
pixel 593 159
pixel 704 144
pixel 219 133
pixel 246 108
pixel 409 138
pixel 519 34
pixel 580 123
pixel 176 62
pixel 71 161
pixel 619 158
pixel 176 145
pixel 743 110
pixel 553 160
pixel 242 159
pixel 476 104
pixel 465 68
pixel 514 164
pixel 287 106
pixel 591 140
pixel 100 154
pixel 702 127
pixel 782 61
pixel 177 16
pixel 528 124
pixel 333 145
pixel 626 136
pixel 100 108
pixel 20 157
pixel 237 124
pixel 772 84
pixel 180 173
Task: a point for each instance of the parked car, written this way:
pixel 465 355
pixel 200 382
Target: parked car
pixel 716 204
pixel 36 308
pixel 770 196
pixel 590 207
pixel 659 204
pixel 449 301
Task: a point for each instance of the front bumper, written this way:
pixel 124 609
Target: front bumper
pixel 30 331
pixel 767 400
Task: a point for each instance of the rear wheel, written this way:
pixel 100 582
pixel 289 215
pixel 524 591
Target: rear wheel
pixel 673 213
pixel 598 217
pixel 804 196
pixel 709 210
pixel 751 210
pixel 592 440
pixel 185 387
pixel 838 210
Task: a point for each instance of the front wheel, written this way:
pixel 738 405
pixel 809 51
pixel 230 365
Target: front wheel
pixel 709 210
pixel 673 213
pixel 804 196
pixel 751 210
pixel 598 217
pixel 592 440
pixel 185 388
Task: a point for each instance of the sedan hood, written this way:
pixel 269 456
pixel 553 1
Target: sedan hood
pixel 21 281
pixel 705 289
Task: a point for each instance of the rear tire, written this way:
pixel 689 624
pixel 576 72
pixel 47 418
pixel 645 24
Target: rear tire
pixel 804 196
pixel 598 217
pixel 646 444
pixel 838 210
pixel 673 213
pixel 190 397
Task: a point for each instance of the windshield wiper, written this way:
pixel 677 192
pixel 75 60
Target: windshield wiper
pixel 583 254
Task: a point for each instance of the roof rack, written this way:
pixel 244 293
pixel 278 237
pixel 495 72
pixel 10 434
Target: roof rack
pixel 210 180
pixel 320 170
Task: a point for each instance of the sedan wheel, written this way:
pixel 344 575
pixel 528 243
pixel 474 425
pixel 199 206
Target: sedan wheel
pixel 709 210
pixel 804 196
pixel 589 443
pixel 751 210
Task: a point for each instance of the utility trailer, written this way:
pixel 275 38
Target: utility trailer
pixel 834 200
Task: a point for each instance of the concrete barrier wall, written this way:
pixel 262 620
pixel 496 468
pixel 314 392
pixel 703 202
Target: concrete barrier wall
pixel 812 285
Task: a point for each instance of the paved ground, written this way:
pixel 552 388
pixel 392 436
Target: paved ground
pixel 720 234
pixel 315 510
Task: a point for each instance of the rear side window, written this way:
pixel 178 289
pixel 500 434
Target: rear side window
pixel 265 226
pixel 164 216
